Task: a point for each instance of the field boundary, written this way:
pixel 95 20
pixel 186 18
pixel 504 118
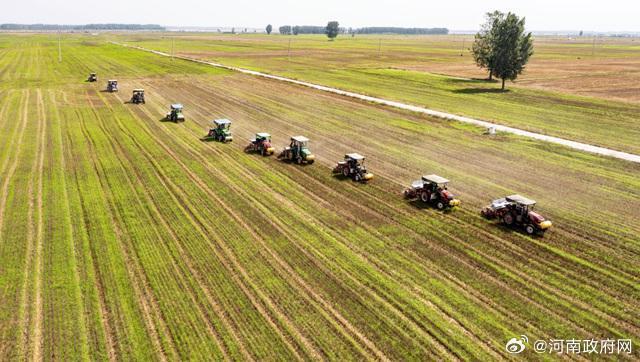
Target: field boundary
pixel 603 151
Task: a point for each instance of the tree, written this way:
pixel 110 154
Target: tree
pixel 581 33
pixel 333 27
pixel 269 29
pixel 502 46
pixel 296 30
pixel 482 48
pixel 285 29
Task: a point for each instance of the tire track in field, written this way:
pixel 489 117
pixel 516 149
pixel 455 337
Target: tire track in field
pixel 37 331
pixel 282 230
pixel 243 103
pixel 118 148
pixel 205 234
pixel 65 196
pixel 18 146
pixel 138 277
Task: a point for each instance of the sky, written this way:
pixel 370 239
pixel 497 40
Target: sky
pixel 541 15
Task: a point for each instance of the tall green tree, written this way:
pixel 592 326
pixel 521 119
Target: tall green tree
pixel 269 29
pixel 332 30
pixel 502 46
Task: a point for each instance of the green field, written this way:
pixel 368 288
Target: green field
pixel 123 237
pixel 411 69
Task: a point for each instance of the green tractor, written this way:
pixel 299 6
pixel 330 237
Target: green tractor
pixel 138 96
pixel 298 151
pixel 93 77
pixel 220 131
pixel 175 115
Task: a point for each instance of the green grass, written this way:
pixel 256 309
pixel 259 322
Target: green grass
pixel 146 243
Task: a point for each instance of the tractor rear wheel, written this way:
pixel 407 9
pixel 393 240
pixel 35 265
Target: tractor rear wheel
pixel 424 196
pixel 345 171
pixel 530 229
pixel 508 219
pixel 299 160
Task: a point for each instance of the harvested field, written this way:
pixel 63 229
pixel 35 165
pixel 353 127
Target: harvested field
pixel 126 237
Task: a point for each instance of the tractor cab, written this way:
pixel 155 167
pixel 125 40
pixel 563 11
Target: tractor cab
pixel 521 206
pixel 220 131
pixel 93 77
pixel 353 166
pixel 138 96
pixel 262 137
pixel 298 151
pixel 175 114
pixel 112 85
pixel 432 189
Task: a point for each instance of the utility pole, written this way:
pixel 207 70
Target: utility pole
pixel 593 48
pixel 173 48
pixel 289 50
pixel 462 50
pixel 379 47
pixel 59 46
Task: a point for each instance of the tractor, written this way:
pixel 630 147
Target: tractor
pixel 220 131
pixel 517 211
pixel 93 77
pixel 175 115
pixel 353 167
pixel 261 144
pixel 298 151
pixel 112 85
pixel 432 189
pixel 138 96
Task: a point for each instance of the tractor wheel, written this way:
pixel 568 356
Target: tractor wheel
pixel 508 219
pixel 424 196
pixel 440 205
pixel 530 229
pixel 345 171
pixel 263 152
pixel 299 160
pixel 357 177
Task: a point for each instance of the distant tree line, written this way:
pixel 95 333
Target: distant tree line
pixel 44 27
pixel 312 29
pixel 395 30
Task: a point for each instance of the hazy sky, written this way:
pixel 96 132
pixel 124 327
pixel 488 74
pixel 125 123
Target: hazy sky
pixel 609 15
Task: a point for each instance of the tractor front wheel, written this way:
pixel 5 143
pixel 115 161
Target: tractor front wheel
pixel 440 205
pixel 299 160
pixel 357 177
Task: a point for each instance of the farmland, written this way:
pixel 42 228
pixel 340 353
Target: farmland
pixel 571 89
pixel 125 237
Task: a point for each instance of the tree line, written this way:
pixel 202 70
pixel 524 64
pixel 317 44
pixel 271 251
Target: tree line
pixel 312 29
pixel 44 27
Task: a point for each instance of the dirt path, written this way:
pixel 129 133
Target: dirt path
pixel 430 112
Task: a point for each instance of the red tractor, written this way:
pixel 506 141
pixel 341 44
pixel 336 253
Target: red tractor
pixel 261 144
pixel 516 210
pixel 432 189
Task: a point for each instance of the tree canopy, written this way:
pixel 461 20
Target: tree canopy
pixel 269 28
pixel 332 30
pixel 502 46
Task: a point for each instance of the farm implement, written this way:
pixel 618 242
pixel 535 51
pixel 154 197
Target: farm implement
pixel 261 144
pixel 298 151
pixel 432 189
pixel 353 167
pixel 517 211
pixel 138 96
